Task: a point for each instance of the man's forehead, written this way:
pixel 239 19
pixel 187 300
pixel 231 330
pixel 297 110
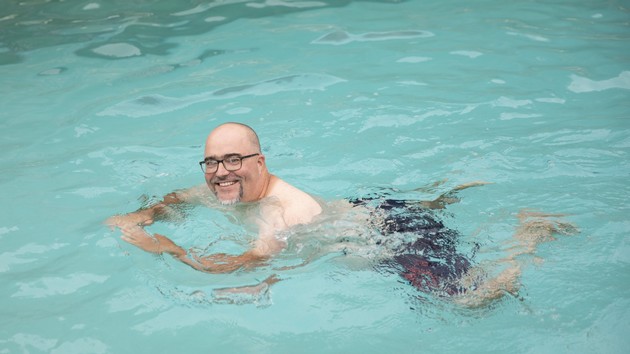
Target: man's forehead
pixel 223 156
pixel 224 147
pixel 217 148
pixel 226 141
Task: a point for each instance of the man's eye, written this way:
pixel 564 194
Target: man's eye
pixel 211 163
pixel 233 160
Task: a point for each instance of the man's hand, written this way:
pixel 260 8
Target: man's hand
pixel 137 218
pixel 225 263
pixel 158 244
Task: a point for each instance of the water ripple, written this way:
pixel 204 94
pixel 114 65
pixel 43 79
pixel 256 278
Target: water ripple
pixel 343 37
pixel 156 104
pixel 50 286
pixel 581 84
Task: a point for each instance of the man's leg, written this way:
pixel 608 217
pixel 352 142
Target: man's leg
pixel 246 294
pixel 534 228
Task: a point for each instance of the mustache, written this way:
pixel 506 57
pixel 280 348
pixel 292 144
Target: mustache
pixel 230 177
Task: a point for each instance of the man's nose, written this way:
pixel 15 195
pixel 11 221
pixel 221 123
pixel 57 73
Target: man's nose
pixel 221 171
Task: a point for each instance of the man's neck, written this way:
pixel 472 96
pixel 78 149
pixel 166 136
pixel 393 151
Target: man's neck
pixel 268 179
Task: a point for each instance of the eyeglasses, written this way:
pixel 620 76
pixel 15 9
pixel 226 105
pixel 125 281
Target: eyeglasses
pixel 230 162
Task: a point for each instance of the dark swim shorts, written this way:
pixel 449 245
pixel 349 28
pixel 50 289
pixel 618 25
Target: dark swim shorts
pixel 430 261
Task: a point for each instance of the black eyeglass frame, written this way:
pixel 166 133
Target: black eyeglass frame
pixel 240 165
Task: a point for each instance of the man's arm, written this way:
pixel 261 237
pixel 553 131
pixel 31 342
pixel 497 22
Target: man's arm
pixel 265 248
pixel 132 224
pixel 285 206
pixel 146 216
pixel 216 263
pixel 267 245
pixel 270 223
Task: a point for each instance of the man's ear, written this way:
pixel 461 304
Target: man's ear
pixel 261 163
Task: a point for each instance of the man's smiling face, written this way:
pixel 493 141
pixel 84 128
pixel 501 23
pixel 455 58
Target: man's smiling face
pixel 242 185
pixel 227 185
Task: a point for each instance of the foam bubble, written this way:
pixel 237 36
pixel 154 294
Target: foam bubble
pixel 551 100
pixel 413 60
pixel 34 341
pixel 195 10
pixel 9 17
pixel 51 72
pixel 581 84
pixel 343 37
pixel 294 4
pixel 79 346
pixel 533 37
pixel 92 6
pixel 239 110
pixel 93 192
pixel 84 129
pixel 510 116
pixel 399 120
pixel 508 102
pixel 6 230
pixel 118 50
pixel 21 255
pixel 467 53
pixel 214 19
pixel 412 83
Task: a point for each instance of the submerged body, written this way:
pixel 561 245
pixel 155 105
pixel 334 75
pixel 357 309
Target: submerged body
pixel 235 172
pixel 408 238
pixel 430 261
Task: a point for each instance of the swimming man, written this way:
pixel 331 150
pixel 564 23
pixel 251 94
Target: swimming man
pixel 236 172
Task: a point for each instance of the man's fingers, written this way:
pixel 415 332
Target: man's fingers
pixel 133 232
pixel 129 239
pixel 147 222
pixel 121 221
pixel 130 234
pixel 113 222
pixel 138 237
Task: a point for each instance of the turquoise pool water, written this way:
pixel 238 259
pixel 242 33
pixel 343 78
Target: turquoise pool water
pixel 106 105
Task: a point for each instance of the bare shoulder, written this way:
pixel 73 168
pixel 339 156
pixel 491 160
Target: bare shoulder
pixel 299 207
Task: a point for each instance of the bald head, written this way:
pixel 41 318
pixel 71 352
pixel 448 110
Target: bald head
pixel 234 134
